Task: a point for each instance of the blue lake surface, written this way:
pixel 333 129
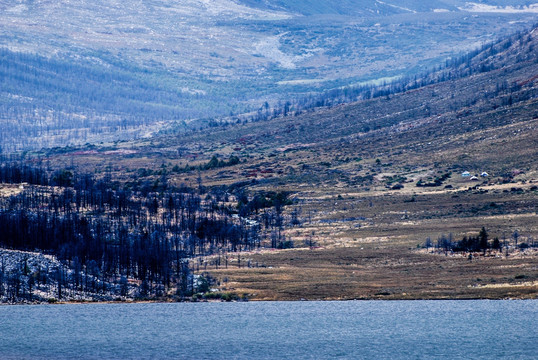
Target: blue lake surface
pixel 273 330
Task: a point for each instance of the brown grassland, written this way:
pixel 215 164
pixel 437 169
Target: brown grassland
pixel 375 271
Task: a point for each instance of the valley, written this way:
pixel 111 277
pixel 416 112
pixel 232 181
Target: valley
pixel 135 68
pixel 363 200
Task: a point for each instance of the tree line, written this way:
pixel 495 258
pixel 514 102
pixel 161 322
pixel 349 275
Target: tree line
pixel 478 243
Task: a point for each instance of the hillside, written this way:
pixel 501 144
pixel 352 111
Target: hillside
pixel 349 7
pixel 92 71
pixel 389 7
pixel 355 171
pixel 452 123
pixel 362 200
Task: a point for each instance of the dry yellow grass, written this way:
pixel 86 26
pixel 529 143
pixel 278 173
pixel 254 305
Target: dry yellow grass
pixel 371 272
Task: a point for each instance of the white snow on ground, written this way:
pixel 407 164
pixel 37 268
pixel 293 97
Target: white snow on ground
pixel 193 91
pixel 395 6
pixel 33 263
pixel 12 259
pixel 18 9
pixel 152 8
pixel 224 7
pixel 300 81
pixel 377 82
pixel 269 47
pixel 483 8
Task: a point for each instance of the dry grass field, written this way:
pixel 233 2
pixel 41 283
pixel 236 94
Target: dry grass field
pixel 378 270
pixel 381 256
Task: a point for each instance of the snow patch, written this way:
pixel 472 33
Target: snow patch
pixel 483 8
pixel 17 9
pixel 269 48
pixel 12 259
pixel 300 82
pixel 396 7
pixel 187 90
pixel 377 82
pixel 228 7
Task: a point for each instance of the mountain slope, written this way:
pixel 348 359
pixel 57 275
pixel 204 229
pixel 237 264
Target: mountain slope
pixel 486 101
pixel 203 59
pixel 54 101
pixel 349 7
pixel 370 8
pixel 495 90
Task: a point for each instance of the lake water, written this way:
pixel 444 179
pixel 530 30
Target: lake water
pixel 272 330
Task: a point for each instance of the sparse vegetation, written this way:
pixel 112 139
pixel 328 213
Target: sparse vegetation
pixel 281 201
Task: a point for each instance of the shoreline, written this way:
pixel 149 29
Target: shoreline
pixel 134 302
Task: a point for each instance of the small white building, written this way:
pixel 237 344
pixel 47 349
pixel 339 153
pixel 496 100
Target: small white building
pixel 484 174
pixel 474 178
pixel 465 174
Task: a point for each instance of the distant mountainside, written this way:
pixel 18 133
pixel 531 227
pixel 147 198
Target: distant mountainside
pixel 478 112
pixel 350 7
pixel 91 71
pixel 389 7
